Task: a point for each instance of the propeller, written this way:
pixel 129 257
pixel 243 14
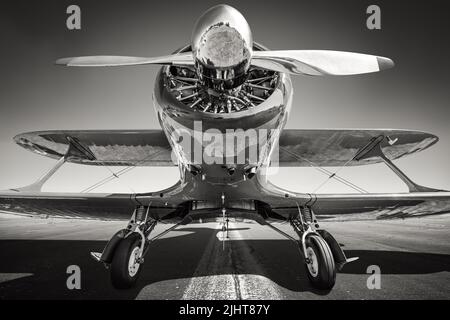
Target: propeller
pixel 113 61
pixel 320 62
pixel 296 62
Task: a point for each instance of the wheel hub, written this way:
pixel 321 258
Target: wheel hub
pixel 133 263
pixel 312 262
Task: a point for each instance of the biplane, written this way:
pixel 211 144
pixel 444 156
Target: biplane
pixel 221 82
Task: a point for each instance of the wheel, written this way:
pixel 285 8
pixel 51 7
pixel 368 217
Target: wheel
pixel 320 265
pixel 124 267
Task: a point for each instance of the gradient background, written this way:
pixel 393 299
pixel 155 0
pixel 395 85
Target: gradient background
pixel 36 95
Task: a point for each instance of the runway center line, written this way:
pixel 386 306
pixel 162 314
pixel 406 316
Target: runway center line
pixel 217 274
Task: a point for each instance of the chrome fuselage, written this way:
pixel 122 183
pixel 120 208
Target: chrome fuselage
pixel 180 122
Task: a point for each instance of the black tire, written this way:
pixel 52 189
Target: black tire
pixel 325 275
pixel 120 275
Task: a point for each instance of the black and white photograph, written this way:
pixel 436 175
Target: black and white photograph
pixel 241 152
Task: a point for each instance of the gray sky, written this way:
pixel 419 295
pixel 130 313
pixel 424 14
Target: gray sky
pixel 36 95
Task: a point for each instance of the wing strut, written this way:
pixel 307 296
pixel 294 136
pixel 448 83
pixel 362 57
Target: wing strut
pixel 373 149
pixel 37 185
pixel 76 150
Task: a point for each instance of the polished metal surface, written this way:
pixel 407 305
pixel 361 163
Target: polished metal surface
pixel 113 61
pixel 320 62
pixel 222 46
pixel 179 117
pixel 187 87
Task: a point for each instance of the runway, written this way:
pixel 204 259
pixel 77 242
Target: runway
pixel 194 262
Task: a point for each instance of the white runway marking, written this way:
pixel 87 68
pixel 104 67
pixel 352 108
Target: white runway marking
pixel 217 287
pixel 256 287
pixel 230 285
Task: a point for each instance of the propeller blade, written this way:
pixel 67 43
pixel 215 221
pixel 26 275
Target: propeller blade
pixel 113 61
pixel 320 62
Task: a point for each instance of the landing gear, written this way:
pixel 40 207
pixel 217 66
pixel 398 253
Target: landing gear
pixel 320 265
pixel 126 266
pixel 225 222
pixel 322 254
pixel 124 253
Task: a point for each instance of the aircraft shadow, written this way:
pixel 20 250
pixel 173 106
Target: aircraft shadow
pixel 178 258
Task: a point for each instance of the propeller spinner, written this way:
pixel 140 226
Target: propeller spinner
pixel 222 45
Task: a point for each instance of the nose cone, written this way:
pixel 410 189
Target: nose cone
pixel 222 39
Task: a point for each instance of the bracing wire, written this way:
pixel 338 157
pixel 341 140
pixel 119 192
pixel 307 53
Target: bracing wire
pixel 116 175
pixel 327 172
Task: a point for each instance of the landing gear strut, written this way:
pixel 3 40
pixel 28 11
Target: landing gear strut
pixel 322 254
pixel 124 253
pixel 319 260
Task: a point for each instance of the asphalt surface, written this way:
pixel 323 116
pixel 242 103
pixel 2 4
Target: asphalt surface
pixel 194 262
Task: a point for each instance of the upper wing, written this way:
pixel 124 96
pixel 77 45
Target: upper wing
pixel 335 147
pixel 110 147
pixel 319 147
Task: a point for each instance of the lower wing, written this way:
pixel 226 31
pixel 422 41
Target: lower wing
pixel 165 204
pixel 366 206
pixel 173 204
